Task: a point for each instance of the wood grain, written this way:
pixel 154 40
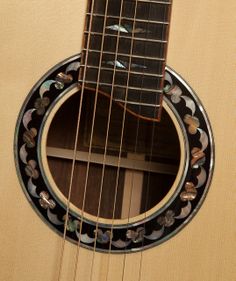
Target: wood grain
pixel 35 35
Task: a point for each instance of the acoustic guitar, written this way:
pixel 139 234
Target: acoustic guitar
pixel 106 161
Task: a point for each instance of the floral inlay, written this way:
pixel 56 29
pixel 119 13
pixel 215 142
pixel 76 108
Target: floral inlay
pixel 130 237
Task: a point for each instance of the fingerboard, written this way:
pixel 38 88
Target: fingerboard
pixel 124 52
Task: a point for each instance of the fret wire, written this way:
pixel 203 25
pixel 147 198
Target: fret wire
pixel 123 71
pixel 123 86
pixel 137 103
pixel 155 2
pixel 130 19
pixel 154 58
pixel 127 37
pixel 123 54
pixel 151 57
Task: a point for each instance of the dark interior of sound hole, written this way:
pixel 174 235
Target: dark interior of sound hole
pixel 119 188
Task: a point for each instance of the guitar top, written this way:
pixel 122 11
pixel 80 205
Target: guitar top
pixel 135 235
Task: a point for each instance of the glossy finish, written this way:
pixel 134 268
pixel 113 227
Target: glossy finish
pixel 35 35
pixel 141 234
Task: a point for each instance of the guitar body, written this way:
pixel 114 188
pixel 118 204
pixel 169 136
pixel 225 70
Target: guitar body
pixel 36 36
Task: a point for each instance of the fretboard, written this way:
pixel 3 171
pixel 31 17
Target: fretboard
pixel 124 52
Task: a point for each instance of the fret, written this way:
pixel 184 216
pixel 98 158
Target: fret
pixel 146 111
pixel 137 103
pixel 127 18
pixel 140 100
pixel 143 30
pixel 124 51
pixel 141 74
pixel 151 10
pixel 167 2
pixel 137 96
pixel 93 33
pixel 123 63
pixel 123 78
pixel 108 85
pixel 124 54
pixel 148 105
pixel 141 65
pixel 140 48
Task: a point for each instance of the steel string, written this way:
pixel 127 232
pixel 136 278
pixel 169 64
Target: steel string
pixel 82 88
pixel 151 150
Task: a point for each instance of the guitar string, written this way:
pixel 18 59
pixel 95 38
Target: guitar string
pixel 91 138
pixel 87 173
pixel 106 141
pixel 66 218
pixel 69 195
pixel 118 170
pixel 102 184
pixel 148 182
pixel 136 142
pixel 90 145
pixel 132 180
pixel 104 154
pixel 125 255
pixel 164 34
pixel 121 142
pixel 118 163
pixel 89 157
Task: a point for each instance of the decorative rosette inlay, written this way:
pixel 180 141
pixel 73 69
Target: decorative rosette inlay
pixel 130 237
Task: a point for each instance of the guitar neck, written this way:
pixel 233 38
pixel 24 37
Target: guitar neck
pixel 124 52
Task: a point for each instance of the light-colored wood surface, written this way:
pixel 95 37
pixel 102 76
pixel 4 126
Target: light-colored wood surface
pixel 35 35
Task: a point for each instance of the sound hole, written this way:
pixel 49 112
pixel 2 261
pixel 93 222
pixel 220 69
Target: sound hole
pixel 132 177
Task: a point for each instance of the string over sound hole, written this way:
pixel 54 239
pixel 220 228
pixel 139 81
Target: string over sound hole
pixel 126 177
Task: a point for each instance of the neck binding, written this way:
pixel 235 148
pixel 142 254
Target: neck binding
pixel 124 52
